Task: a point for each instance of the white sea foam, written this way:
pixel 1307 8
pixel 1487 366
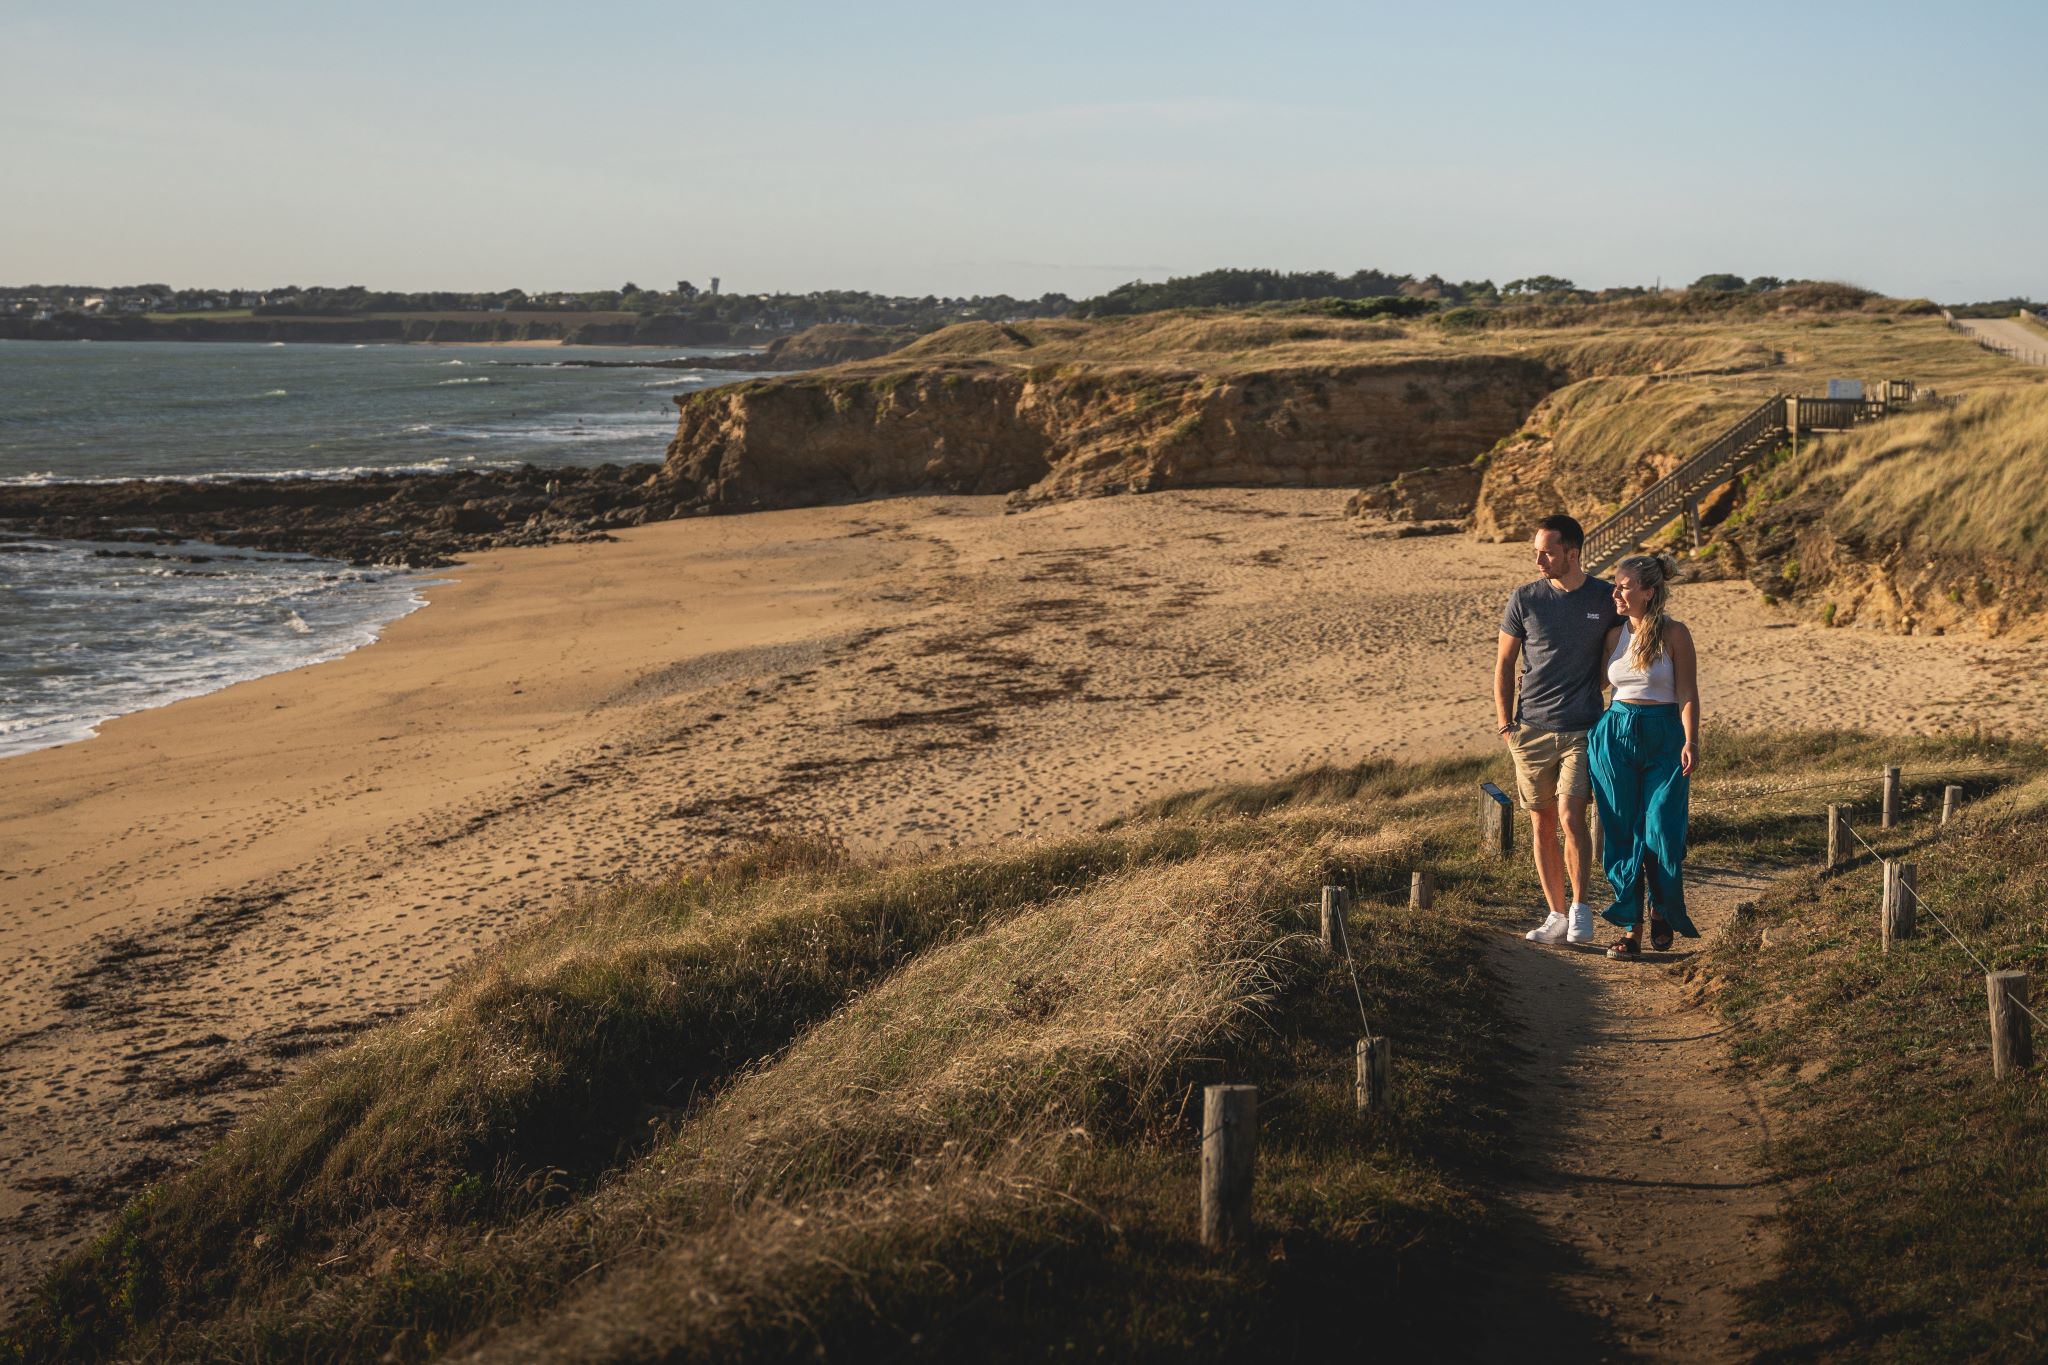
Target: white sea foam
pixel 143 634
pixel 469 379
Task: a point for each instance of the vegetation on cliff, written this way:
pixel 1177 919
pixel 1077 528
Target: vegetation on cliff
pixel 1929 521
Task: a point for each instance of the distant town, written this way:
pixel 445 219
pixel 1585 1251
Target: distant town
pixel 764 312
pixel 688 311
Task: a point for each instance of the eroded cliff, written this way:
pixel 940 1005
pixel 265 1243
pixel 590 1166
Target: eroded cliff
pixel 1065 431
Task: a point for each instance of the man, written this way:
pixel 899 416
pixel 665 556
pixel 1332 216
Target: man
pixel 1553 631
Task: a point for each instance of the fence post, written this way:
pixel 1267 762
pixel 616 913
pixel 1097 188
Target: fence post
pixel 1421 889
pixel 1900 882
pixel 1838 838
pixel 1951 798
pixel 1496 821
pixel 1599 834
pixel 1230 1143
pixel 1333 918
pixel 1891 798
pixel 2012 1039
pixel 1374 1065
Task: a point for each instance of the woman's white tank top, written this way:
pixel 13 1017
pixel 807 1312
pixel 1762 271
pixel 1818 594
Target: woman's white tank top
pixel 1656 685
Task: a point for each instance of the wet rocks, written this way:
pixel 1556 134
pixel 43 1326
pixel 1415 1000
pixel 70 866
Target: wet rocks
pixel 419 520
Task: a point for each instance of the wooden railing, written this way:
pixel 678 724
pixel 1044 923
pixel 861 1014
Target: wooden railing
pixel 1838 414
pixel 1776 420
pixel 1732 451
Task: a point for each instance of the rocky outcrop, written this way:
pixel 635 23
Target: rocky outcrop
pixel 827 344
pixel 1592 446
pixel 1793 554
pixel 422 520
pixel 1435 494
pixel 1068 432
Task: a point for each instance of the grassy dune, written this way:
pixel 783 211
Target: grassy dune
pixel 1972 478
pixel 1916 1214
pixel 938 1106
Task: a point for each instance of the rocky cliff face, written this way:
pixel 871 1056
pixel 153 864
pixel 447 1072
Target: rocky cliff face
pixel 1047 434
pixel 1843 578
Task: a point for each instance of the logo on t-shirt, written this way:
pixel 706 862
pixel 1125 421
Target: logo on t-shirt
pixel 1592 616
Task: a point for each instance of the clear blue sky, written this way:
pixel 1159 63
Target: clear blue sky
pixel 957 148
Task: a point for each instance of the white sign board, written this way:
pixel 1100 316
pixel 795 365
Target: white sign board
pixel 1846 388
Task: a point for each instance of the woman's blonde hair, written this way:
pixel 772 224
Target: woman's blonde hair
pixel 1652 572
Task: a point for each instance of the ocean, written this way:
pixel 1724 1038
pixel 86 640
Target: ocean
pixel 89 631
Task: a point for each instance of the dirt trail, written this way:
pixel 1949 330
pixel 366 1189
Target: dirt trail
pixel 1641 1151
pixel 2026 343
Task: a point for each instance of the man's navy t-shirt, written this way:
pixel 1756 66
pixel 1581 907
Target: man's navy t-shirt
pixel 1561 635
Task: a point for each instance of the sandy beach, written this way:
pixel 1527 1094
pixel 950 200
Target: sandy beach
pixel 208 893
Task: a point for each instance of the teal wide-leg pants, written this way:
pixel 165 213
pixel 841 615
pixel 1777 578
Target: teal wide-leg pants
pixel 1633 753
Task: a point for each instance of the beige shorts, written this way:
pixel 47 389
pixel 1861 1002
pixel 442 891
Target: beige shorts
pixel 1548 762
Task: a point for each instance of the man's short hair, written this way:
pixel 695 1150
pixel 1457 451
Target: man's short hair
pixel 1568 530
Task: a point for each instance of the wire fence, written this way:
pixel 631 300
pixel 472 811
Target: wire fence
pixel 1341 896
pixel 1921 904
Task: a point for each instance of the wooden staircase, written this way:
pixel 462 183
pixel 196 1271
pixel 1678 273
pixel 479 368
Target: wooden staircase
pixel 1777 420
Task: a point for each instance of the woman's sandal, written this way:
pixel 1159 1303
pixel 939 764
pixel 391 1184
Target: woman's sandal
pixel 1660 935
pixel 1626 949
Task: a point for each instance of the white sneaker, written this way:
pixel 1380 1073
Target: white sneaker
pixel 1582 923
pixel 1550 931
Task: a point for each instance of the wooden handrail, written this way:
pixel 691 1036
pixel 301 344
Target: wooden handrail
pixel 1657 503
pixel 1727 455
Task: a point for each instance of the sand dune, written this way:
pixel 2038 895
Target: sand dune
pixel 206 893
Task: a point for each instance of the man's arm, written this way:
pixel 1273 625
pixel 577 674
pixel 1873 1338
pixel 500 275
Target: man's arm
pixel 1504 669
pixel 1601 682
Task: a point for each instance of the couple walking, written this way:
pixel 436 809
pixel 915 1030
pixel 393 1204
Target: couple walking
pixel 1566 638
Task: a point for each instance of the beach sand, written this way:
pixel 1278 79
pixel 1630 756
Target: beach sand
pixel 206 894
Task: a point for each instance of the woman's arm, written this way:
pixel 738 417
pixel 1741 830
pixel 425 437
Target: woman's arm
pixel 1600 682
pixel 1686 676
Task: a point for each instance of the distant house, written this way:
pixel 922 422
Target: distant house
pixel 95 304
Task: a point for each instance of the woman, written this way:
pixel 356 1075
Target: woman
pixel 1642 754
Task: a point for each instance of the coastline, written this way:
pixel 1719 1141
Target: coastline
pixel 210 891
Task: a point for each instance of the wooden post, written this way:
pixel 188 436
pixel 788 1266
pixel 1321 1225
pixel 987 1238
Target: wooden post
pixel 1230 1142
pixel 1951 801
pixel 1891 798
pixel 1374 1066
pixel 1421 889
pixel 1838 838
pixel 1599 834
pixel 2012 1038
pixel 1333 918
pixel 1896 919
pixel 1496 821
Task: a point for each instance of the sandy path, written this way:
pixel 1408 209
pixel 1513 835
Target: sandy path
pixel 1639 1152
pixel 2025 343
pixel 206 893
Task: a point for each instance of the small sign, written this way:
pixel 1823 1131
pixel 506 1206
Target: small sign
pixel 1846 388
pixel 1495 792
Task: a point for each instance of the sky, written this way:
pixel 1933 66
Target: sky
pixel 962 148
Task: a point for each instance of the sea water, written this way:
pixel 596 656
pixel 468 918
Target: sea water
pixel 90 631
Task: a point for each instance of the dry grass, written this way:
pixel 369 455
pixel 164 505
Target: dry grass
pixel 1965 481
pixel 810 1087
pixel 1916 1208
pixel 943 1108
